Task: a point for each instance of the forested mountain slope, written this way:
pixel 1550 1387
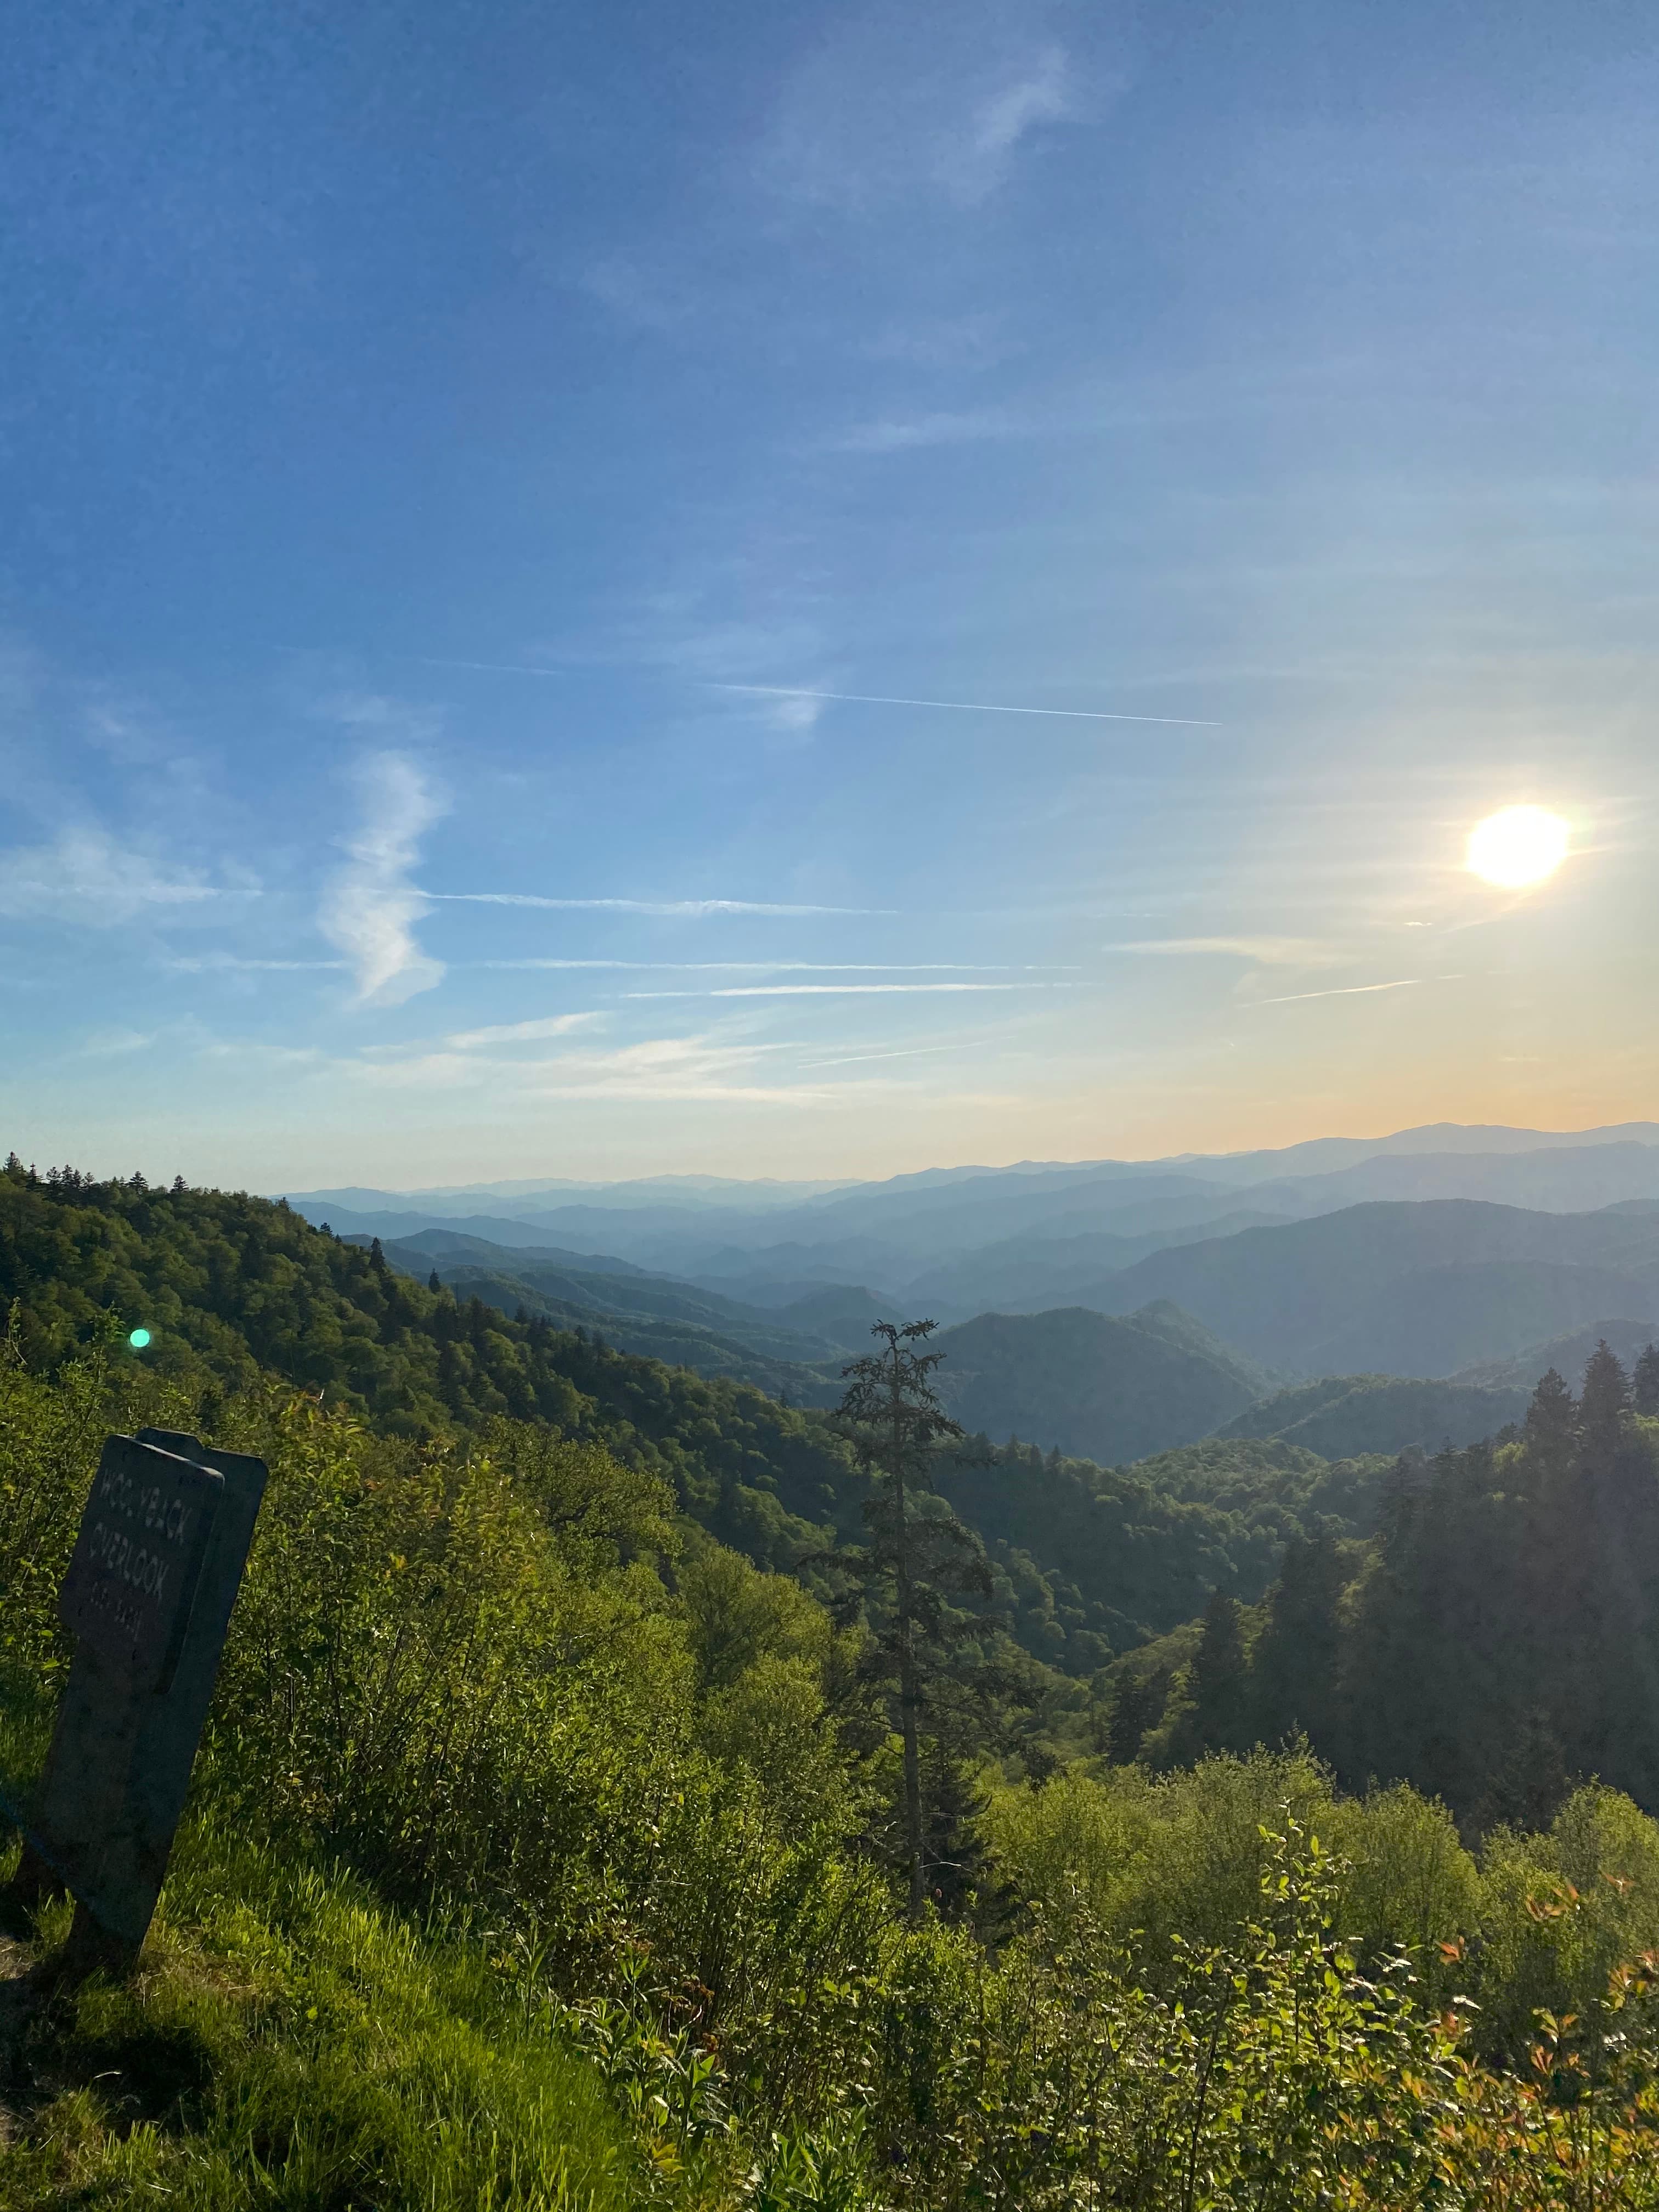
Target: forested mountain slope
pixel 1105 1389
pixel 651 1314
pixel 1411 1289
pixel 538 1855
pixel 233 1287
pixel 1498 1640
pixel 1342 1414
pixel 1125 1553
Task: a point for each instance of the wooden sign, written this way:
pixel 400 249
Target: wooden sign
pixel 132 1576
pixel 147 1593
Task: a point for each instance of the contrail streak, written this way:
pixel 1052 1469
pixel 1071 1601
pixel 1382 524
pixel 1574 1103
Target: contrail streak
pixel 839 990
pixel 487 667
pixel 1347 991
pixel 966 706
pixel 858 698
pixel 777 967
pixel 640 906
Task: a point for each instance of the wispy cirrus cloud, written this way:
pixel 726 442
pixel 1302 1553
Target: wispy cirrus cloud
pixel 1263 952
pixel 795 967
pixel 369 905
pixel 670 907
pixel 668 1069
pixel 547 1025
pixel 902 105
pixel 214 964
pixel 838 990
pixel 965 706
pixel 1344 991
pixel 903 433
pixel 86 877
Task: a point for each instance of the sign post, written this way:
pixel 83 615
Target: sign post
pixel 148 1596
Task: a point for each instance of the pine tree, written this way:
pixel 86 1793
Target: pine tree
pixel 1400 1497
pixel 1218 1683
pixel 917 1553
pixel 1552 1422
pixel 433 1283
pixel 1137 1706
pixel 376 1256
pixel 1603 1405
pixel 1298 1657
pixel 1645 1383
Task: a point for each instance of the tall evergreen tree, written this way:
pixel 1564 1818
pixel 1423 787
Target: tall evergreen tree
pixel 1299 1653
pixel 1645 1383
pixel 919 1554
pixel 1603 1405
pixel 1137 1703
pixel 1552 1423
pixel 1219 1681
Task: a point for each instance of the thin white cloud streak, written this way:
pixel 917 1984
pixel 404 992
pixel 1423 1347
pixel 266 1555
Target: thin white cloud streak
pixel 853 699
pixel 904 1052
pixel 213 964
pixel 369 905
pixel 795 967
pixel 838 990
pixel 893 108
pixel 490 667
pixel 657 1069
pixel 693 907
pixel 968 706
pixel 84 877
pixel 1266 951
pixel 905 434
pixel 549 1025
pixel 106 1044
pixel 1347 991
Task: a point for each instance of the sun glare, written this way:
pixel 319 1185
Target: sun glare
pixel 1517 846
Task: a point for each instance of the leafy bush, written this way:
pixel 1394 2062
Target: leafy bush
pixel 561 1895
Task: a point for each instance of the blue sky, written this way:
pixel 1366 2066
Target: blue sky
pixel 450 454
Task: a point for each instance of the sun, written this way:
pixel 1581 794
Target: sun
pixel 1517 846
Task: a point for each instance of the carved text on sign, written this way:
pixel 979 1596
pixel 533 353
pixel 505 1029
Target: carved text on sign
pixel 132 1578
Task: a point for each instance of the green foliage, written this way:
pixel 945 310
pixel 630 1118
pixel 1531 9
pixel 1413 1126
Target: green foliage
pixel 1343 1415
pixel 1497 1641
pixel 1098 1560
pixel 1087 1561
pixel 1113 1388
pixel 527 1866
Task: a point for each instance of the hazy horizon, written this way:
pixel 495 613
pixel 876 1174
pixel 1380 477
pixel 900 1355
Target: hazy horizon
pixel 817 594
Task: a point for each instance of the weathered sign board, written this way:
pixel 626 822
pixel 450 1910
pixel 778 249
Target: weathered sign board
pixel 147 1596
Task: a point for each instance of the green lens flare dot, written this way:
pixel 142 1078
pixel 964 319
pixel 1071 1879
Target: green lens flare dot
pixel 139 1339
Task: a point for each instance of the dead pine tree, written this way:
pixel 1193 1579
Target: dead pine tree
pixel 917 1553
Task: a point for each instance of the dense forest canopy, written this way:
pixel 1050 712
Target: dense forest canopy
pixel 1088 1561
pixel 543 1850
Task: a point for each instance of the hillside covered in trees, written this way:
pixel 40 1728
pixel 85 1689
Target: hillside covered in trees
pixel 541 1852
pixel 1498 1640
pixel 1086 1560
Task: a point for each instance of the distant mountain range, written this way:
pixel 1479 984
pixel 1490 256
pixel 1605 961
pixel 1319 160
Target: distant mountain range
pixel 1422 1288
pixel 963 1241
pixel 1346 1296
